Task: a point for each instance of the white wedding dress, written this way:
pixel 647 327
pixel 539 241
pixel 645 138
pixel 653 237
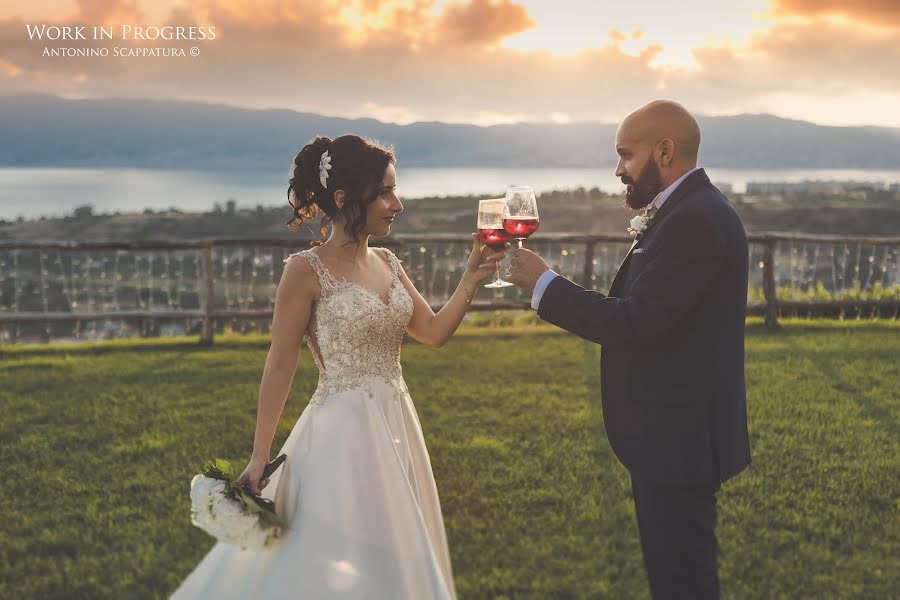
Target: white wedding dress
pixel 356 489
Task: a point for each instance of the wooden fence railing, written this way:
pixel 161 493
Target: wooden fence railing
pixel 803 267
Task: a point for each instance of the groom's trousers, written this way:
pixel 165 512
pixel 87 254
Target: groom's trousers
pixel 677 525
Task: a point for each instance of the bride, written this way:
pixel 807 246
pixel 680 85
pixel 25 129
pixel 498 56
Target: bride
pixel 356 490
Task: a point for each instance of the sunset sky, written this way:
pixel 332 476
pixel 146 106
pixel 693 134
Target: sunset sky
pixel 484 61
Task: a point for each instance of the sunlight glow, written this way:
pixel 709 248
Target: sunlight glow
pixel 673 26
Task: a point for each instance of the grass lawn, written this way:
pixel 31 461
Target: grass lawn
pixel 100 442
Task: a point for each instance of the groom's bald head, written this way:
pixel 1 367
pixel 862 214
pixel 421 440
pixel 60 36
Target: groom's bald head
pixel 664 119
pixel 657 144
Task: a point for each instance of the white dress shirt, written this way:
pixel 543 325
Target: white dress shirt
pixel 549 275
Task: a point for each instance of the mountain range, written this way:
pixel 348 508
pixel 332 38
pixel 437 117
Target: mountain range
pixel 52 131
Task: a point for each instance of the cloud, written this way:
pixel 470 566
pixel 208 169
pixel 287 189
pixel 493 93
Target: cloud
pixel 405 61
pixel 875 12
pixel 484 22
pixel 820 56
pixel 103 12
pixel 390 114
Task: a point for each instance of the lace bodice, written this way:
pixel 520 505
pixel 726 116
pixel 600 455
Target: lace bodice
pixel 357 335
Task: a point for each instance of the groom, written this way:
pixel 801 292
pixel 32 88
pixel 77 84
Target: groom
pixel 672 332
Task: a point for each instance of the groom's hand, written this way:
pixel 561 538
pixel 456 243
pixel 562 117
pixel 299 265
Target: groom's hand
pixel 525 269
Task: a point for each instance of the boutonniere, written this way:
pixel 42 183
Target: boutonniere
pixel 639 224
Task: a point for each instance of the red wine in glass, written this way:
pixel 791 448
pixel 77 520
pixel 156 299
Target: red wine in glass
pixel 520 228
pixel 520 217
pixel 491 232
pixel 495 239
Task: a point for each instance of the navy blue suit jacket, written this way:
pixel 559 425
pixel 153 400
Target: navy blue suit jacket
pixel 672 331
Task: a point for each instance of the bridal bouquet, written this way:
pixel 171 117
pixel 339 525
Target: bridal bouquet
pixel 230 512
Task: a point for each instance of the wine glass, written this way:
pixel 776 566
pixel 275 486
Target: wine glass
pixel 492 233
pixel 521 216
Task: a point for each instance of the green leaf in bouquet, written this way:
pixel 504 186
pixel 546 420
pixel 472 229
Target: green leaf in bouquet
pixel 270 519
pixel 226 468
pixel 249 501
pixel 211 469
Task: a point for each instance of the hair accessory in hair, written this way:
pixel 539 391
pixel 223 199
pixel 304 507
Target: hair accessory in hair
pixel 324 167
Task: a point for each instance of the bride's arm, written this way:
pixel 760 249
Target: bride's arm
pixel 294 297
pixel 435 329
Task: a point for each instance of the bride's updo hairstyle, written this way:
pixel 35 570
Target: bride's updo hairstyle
pixel 357 167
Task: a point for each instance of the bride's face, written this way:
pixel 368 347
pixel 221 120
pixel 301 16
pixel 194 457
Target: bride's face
pixel 381 212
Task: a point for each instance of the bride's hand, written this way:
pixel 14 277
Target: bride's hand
pixel 482 261
pixel 252 473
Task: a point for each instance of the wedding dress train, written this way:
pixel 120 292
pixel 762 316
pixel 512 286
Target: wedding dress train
pixel 357 489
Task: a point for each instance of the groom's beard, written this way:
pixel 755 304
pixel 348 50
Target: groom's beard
pixel 645 188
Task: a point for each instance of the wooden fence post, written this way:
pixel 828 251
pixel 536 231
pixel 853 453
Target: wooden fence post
pixel 209 299
pixel 588 272
pixel 769 289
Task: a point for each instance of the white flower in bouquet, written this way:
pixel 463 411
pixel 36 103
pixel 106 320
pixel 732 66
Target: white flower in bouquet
pixel 203 490
pixel 230 512
pixel 233 523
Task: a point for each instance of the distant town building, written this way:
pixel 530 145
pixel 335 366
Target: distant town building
pixel 826 188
